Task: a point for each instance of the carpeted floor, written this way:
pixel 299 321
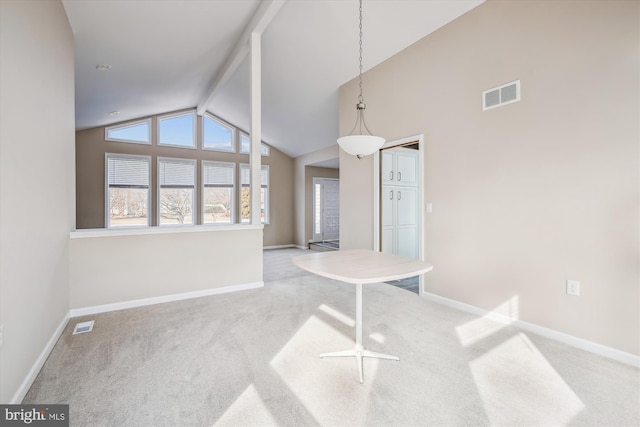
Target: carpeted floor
pixel 250 358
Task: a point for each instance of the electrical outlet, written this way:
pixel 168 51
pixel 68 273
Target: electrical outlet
pixel 573 288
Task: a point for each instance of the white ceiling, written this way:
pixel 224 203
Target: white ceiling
pixel 165 54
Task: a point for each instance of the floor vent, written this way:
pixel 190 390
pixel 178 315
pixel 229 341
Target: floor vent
pixel 83 327
pixel 501 95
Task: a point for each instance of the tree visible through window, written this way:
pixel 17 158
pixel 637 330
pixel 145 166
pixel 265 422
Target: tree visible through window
pixel 128 190
pixel 218 180
pixel 245 195
pixel 176 178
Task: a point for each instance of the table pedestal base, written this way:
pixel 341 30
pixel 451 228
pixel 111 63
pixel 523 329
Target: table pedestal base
pixel 359 353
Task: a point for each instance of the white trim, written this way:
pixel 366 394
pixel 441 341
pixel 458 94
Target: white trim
pixel 39 363
pixel 581 343
pixel 301 247
pixel 268 248
pixel 113 232
pixel 128 125
pixel 96 309
pixel 191 113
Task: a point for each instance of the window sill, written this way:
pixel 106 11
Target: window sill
pixel 111 232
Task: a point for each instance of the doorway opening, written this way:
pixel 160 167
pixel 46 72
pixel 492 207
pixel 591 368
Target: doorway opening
pixel 326 214
pixel 398 178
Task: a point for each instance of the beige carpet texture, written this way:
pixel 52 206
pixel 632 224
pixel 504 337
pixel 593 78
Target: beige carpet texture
pixel 250 358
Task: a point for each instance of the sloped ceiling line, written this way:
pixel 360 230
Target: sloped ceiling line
pixel 265 12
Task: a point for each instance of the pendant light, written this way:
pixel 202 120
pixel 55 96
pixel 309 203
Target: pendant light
pixel 360 142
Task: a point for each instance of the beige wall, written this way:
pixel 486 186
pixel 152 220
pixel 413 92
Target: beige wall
pixel 90 154
pixel 527 195
pixel 113 269
pixel 310 173
pixel 36 181
pixel 299 181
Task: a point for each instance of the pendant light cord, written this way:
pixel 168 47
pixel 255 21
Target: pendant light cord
pixel 360 98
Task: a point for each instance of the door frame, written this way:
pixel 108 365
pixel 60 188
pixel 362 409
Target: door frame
pixel 315 180
pixel 377 194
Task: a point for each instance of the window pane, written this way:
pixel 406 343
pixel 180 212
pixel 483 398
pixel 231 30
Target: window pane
pixel 128 191
pixel 216 136
pixel 245 143
pixel 128 207
pixel 176 179
pixel 177 130
pixel 137 132
pixel 218 181
pixel 217 205
pixel 245 201
pixel 176 206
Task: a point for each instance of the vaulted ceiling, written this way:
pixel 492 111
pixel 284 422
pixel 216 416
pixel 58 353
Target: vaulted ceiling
pixel 165 55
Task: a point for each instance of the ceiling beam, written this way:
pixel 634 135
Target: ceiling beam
pixel 266 11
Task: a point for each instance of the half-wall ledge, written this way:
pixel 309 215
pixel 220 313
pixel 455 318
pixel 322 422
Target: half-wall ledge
pixel 112 232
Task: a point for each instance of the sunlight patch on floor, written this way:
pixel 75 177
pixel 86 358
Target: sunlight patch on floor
pixel 377 337
pixel 325 383
pixel 248 409
pixel 518 386
pixel 337 315
pixel 482 327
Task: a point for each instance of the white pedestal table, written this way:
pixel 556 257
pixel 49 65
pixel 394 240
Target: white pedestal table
pixel 361 267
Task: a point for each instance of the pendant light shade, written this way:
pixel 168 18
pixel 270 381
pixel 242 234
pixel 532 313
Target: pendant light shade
pixel 360 145
pixel 360 142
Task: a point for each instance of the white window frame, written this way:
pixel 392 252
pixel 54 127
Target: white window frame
pixel 108 156
pixel 267 196
pixel 173 116
pixel 195 192
pixel 128 125
pixel 234 132
pixel 233 190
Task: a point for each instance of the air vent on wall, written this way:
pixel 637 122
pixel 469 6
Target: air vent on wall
pixel 501 95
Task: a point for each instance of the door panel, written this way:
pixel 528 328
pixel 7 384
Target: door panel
pixel 407 211
pixel 407 167
pixel 331 209
pixel 408 242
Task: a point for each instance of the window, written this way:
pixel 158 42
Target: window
pixel 136 132
pixel 216 135
pixel 245 201
pixel 177 130
pixel 245 143
pixel 177 183
pixel 127 192
pixel 218 180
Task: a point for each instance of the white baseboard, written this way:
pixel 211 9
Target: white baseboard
pixel 301 247
pixel 76 312
pixel 39 363
pixel 279 247
pixel 602 350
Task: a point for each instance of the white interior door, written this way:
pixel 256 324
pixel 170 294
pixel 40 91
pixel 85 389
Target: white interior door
pixel 326 211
